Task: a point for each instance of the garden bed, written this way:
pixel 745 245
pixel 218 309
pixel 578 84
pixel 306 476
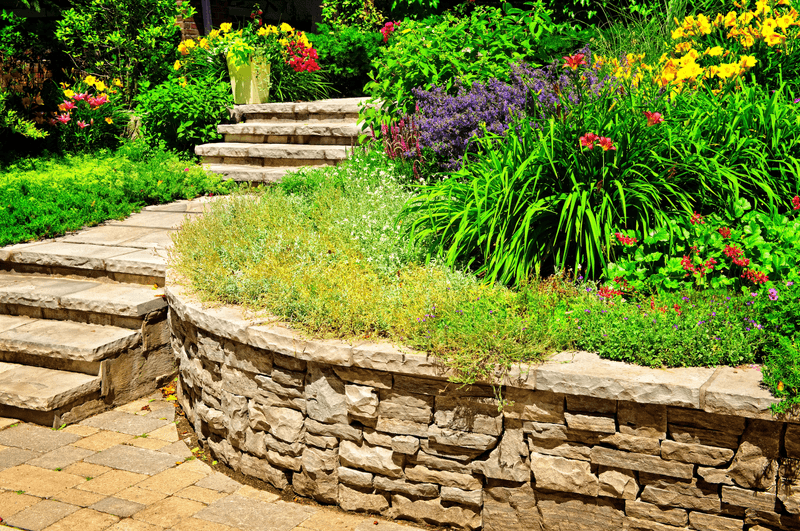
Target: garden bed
pixel 377 427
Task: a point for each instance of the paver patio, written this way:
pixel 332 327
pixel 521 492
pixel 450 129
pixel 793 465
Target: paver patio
pixel 128 470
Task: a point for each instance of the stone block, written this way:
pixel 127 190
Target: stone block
pixel 792 441
pixel 288 378
pixel 672 498
pixel 263 470
pixel 370 458
pixel 283 461
pixel 319 478
pixel 340 431
pixel 356 500
pixel 507 461
pixel 412 490
pixel 617 483
pixel 325 396
pixel 648 511
pixel 455 453
pixel 749 499
pixel 283 423
pixel 590 404
pixel 710 522
pixel 421 474
pixel 642 420
pixel 510 509
pixel 630 443
pixel 755 464
pixel 641 462
pixel 361 401
pixel 559 448
pixel 398 426
pixel 593 423
pixel 321 441
pixel 635 524
pixel 405 444
pixel 414 385
pixel 375 379
pixel 356 478
pixel 707 421
pixel 463 497
pixel 270 387
pixel 714 475
pixel 562 511
pixel 473 441
pixel 563 475
pixel 376 438
pixel 433 512
pixel 439 463
pixel 536 406
pixel 472 414
pixel 696 453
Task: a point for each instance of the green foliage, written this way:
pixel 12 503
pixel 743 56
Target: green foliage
pixel 457 48
pixel 128 39
pixel 359 14
pixel 721 249
pixel 183 114
pixel 288 85
pixel 45 197
pixel 12 124
pixel 11 33
pixel 346 54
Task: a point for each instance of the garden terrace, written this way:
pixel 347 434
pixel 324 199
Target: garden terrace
pixel 378 428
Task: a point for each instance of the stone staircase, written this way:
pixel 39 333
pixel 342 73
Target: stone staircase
pixel 272 138
pixel 83 319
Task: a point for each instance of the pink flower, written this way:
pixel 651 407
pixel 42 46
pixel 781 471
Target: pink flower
pixel 605 143
pixel 588 140
pixel 388 29
pixel 80 96
pixel 574 61
pixel 653 118
pixel 796 203
pixel 98 101
pixel 82 124
pixel 625 240
pixel 66 106
pixel 63 118
pixel 696 218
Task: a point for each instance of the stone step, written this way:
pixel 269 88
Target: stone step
pixel 47 396
pixel 62 345
pixel 295 132
pixel 253 174
pixel 343 109
pixel 79 300
pixel 271 155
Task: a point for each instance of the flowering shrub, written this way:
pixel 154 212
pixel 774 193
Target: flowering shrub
pixel 90 115
pixel 347 53
pixel 741 249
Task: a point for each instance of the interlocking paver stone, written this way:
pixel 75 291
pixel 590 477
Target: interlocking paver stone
pixel 200 494
pixel 219 482
pixel 118 507
pixel 326 519
pixel 133 459
pixel 87 470
pixel 171 481
pixel 178 449
pixel 139 495
pixel 167 433
pixel 41 515
pixel 253 515
pixel 61 458
pixel 169 511
pixel 84 520
pixel 129 524
pixel 15 456
pixel 36 438
pixel 37 481
pixel 82 498
pixel 83 431
pixel 124 422
pixel 103 440
pixel 6 422
pixel 195 524
pixel 370 525
pixel 12 503
pixel 148 443
pixel 112 482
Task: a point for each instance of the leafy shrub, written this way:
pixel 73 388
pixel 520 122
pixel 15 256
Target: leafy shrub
pixel 362 15
pixel 346 53
pixel 183 114
pixel 127 39
pixel 46 197
pixel 451 49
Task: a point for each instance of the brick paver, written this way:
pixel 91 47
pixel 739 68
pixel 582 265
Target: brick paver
pixel 99 476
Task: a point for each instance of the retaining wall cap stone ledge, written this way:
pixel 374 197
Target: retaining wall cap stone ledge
pixel 725 390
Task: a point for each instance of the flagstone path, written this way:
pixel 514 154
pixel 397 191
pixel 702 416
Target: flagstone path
pixel 128 470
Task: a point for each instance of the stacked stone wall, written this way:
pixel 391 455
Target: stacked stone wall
pixel 419 448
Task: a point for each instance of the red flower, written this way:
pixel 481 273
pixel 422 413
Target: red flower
pixel 710 263
pixel 743 262
pixel 731 251
pixel 82 124
pixel 625 240
pixel 696 218
pixel 588 140
pixel 756 277
pixel 796 203
pixel 605 143
pixel 686 263
pixel 725 232
pixel 63 118
pixel 653 118
pixel 388 29
pixel 574 61
pixel 606 292
pixel 677 309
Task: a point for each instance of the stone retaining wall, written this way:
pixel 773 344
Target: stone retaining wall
pixel 586 444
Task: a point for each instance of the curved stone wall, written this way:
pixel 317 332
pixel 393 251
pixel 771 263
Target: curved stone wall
pixel 586 444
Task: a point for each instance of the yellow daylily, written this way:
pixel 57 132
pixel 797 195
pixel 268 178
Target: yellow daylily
pixel 286 28
pixel 117 82
pixel 747 61
pixel 714 52
pixel 226 27
pixel 177 65
pixel 69 93
pixel 213 35
pixel 109 120
pixel 100 86
pixel 90 80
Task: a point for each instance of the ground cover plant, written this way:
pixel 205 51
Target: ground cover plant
pixel 45 197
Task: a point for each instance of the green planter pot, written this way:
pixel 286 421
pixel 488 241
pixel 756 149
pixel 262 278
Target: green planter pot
pixel 250 82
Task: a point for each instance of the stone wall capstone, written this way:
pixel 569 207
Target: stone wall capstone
pixel 585 444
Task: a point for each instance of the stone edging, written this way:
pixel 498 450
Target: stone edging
pixel 724 390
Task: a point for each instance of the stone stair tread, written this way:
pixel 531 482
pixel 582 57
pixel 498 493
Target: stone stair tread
pixel 330 106
pixel 129 300
pixel 273 151
pixel 86 256
pixel 239 172
pixel 36 388
pixel 291 128
pixel 67 339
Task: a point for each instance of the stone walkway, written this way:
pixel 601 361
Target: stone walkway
pixel 128 470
